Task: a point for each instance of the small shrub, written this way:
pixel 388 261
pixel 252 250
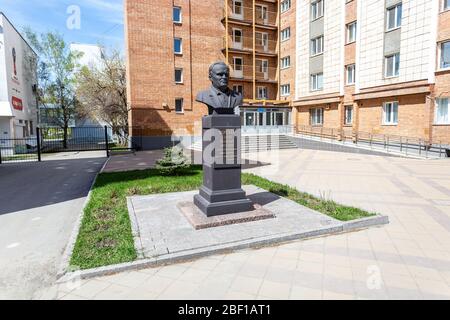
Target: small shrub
pixel 173 163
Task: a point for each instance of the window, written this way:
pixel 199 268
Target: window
pixel 351 32
pixel 237 9
pixel 392 65
pixel 179 105
pixel 261 93
pixel 317 46
pixel 285 62
pixel 394 17
pixel 262 14
pixel 316 10
pixel 446 5
pixel 238 88
pixel 317 81
pixel 316 116
pixel 348 115
pixel 351 74
pixel 178 46
pixel 285 90
pixel 285 34
pixel 176 14
pixel 445 55
pixel 178 75
pixel 390 110
pixel 285 5
pixel 238 69
pixel 441 114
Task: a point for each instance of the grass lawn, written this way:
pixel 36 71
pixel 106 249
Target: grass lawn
pixel 105 236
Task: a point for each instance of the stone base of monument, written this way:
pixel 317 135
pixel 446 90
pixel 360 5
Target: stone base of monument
pixel 199 221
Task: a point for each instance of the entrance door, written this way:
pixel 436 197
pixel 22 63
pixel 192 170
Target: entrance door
pixel 237 39
pixel 250 118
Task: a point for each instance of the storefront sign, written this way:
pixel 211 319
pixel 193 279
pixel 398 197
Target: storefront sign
pixel 17 103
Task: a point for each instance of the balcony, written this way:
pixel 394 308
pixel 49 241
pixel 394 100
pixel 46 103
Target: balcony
pixel 244 15
pixel 245 73
pixel 263 45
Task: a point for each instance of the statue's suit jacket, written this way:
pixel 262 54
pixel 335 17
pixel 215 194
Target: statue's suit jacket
pixel 210 98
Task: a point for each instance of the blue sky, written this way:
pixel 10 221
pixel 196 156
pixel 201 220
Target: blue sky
pixel 101 21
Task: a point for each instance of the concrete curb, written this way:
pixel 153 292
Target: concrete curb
pixel 172 258
pixel 65 263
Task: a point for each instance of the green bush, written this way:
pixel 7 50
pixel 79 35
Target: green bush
pixel 173 163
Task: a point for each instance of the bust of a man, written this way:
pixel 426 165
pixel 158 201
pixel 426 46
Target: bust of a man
pixel 219 98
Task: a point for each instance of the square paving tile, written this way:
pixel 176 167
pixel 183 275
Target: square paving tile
pixel 162 230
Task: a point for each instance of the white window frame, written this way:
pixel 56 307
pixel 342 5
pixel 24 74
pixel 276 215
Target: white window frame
pixel 350 26
pixel 316 116
pixel 397 23
pixel 236 15
pixel 285 5
pixel 236 88
pixel 439 104
pixel 259 90
pixel 441 55
pixel 348 110
pixel 285 90
pixel 350 70
pixel 286 62
pixel 181 46
pixel 317 14
pixel 182 105
pixel 286 34
pixel 182 75
pixel 314 82
pixel 391 121
pixel 181 15
pixel 236 72
pixel 260 8
pixel 317 45
pixel 396 73
pixel 237 45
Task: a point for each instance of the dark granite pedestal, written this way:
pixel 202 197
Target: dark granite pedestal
pixel 222 191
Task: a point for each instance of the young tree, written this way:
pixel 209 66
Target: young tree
pixel 102 89
pixel 56 77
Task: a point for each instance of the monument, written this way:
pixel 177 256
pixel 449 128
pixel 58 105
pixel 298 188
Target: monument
pixel 221 192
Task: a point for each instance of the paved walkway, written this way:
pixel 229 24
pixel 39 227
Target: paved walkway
pixel 39 204
pixel 408 259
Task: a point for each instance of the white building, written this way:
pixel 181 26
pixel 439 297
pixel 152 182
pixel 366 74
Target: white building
pixel 18 78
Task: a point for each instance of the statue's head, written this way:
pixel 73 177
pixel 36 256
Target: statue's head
pixel 219 74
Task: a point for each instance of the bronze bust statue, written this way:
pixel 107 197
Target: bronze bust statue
pixel 219 98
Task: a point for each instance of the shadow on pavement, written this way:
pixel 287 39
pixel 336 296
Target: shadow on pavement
pixel 29 185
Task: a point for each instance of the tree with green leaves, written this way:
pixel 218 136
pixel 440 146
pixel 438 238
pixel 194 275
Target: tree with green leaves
pixel 56 67
pixel 102 90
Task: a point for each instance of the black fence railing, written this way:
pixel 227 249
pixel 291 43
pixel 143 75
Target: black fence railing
pixel 18 150
pixel 74 139
pixel 409 146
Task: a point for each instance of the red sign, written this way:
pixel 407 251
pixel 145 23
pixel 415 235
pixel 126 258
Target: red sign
pixel 17 103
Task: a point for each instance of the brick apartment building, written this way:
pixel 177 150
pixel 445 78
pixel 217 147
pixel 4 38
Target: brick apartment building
pixel 377 66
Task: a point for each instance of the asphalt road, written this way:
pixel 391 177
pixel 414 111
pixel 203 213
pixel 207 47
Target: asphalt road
pixel 39 205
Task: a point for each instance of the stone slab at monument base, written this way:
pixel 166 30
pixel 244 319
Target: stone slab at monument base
pixel 163 233
pixel 199 220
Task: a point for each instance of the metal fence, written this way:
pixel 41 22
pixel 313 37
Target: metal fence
pixel 410 146
pixel 56 140
pixel 18 150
